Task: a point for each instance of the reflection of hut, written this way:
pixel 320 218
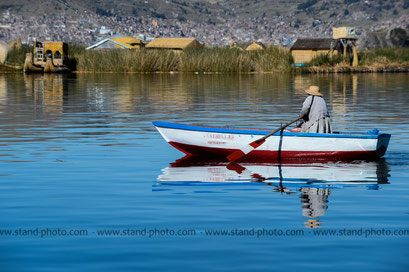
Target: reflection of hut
pixel 118 41
pixel 53 86
pixel 3 89
pixel 176 44
pixel 47 90
pixel 304 50
pixel 301 83
pixel 4 49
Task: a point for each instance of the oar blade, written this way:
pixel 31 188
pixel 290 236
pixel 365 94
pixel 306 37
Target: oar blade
pixel 238 154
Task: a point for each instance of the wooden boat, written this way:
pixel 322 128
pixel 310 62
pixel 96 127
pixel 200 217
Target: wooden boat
pixel 29 67
pixel 51 68
pixel 222 141
pixel 47 57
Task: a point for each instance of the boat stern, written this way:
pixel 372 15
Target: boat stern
pixel 382 145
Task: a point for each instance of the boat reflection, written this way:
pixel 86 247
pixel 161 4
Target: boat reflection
pixel 314 182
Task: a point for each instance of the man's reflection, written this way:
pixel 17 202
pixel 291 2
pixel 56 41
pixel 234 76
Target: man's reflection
pixel 314 204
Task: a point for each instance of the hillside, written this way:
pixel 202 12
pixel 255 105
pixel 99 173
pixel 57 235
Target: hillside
pixel 212 21
pixel 201 10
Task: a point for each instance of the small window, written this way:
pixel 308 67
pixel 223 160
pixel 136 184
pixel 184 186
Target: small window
pixel 49 54
pixel 57 55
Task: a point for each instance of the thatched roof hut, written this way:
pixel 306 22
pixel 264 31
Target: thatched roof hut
pixel 117 41
pixel 312 44
pixel 304 50
pixel 255 46
pixel 247 46
pixel 173 43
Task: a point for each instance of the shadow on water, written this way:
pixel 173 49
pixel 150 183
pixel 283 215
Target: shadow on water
pixel 314 182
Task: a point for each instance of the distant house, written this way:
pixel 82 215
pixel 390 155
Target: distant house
pixel 248 46
pixel 304 50
pixel 255 46
pixel 117 41
pixel 176 44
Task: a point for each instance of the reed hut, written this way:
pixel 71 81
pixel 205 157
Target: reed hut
pixel 118 41
pixel 174 44
pixel 343 32
pixel 248 46
pixel 304 50
pixel 57 52
pixel 345 38
pixel 4 49
pixel 255 46
pixel 47 57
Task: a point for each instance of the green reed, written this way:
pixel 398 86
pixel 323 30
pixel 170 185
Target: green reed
pixel 219 59
pixel 375 57
pixel 325 60
pixel 16 56
pixel 384 56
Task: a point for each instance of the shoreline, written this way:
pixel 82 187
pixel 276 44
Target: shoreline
pixel 309 70
pixel 387 68
pixel 272 60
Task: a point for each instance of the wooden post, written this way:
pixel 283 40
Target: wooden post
pixel 331 50
pixel 355 57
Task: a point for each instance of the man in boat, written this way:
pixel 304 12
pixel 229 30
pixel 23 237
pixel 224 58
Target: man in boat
pixel 315 113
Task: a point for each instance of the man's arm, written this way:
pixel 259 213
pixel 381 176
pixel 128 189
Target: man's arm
pixel 305 108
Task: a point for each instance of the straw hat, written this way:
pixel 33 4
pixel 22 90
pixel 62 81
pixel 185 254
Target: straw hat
pixel 314 90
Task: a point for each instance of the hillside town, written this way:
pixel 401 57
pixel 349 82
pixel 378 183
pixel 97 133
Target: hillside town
pixel 88 28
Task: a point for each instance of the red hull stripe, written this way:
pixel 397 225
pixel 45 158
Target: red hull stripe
pixel 274 155
pixel 236 155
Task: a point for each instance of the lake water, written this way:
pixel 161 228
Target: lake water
pixel 88 184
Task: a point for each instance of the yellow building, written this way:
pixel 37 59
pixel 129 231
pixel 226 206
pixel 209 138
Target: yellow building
pixel 118 41
pixel 57 52
pixel 304 50
pixel 176 44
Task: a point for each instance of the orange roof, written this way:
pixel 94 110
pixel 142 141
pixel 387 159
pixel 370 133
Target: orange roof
pixel 174 43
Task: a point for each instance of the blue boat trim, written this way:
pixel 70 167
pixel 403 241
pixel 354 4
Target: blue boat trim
pixel 367 135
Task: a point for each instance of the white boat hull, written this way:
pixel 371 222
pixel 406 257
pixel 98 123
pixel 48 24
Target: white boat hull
pixel 198 140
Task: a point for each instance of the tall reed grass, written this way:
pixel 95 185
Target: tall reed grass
pixel 324 60
pixel 221 59
pixel 376 58
pixel 16 56
pixel 384 56
pixel 118 60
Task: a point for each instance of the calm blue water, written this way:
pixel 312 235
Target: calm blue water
pixel 79 155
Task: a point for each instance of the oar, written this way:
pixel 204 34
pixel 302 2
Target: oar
pixel 253 145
